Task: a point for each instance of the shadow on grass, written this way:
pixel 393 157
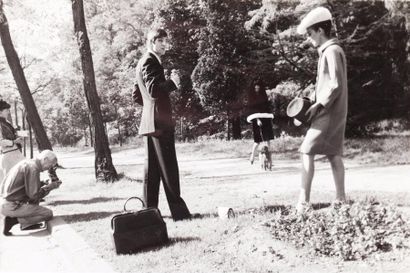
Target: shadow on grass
pixel 265 209
pixel 195 216
pixel 129 178
pixel 171 242
pixel 89 201
pixel 284 209
pixel 176 240
pixel 317 206
pixel 90 216
pixel 351 154
pixel 203 215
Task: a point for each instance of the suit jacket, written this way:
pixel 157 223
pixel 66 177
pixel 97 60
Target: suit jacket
pixel 154 88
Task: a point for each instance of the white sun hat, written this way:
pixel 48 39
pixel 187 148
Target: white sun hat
pixel 315 16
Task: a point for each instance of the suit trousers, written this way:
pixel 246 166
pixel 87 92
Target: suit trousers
pixel 26 214
pixel 161 164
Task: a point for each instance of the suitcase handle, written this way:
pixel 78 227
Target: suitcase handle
pixel 133 197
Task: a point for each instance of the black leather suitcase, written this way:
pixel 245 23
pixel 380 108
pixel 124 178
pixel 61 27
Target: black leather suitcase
pixel 137 230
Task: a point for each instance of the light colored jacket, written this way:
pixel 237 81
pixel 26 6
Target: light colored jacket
pixel 326 133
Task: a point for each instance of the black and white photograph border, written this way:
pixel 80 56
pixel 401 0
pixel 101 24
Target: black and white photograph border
pixel 178 103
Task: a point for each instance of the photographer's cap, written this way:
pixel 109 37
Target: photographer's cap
pixel 315 16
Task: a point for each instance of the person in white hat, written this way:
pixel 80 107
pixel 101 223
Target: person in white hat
pixel 329 111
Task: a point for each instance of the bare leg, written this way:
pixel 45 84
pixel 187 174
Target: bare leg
pixel 268 142
pixel 254 147
pixel 338 171
pixel 308 170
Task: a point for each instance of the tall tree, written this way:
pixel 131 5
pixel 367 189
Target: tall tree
pixel 182 19
pixel 219 76
pixel 21 82
pixel 104 169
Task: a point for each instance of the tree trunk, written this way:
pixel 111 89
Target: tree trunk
pixel 31 139
pixel 16 120
pixel 119 126
pixel 104 169
pixel 119 134
pixel 236 128
pixel 91 131
pixel 181 128
pixel 23 127
pixel 228 128
pixel 85 137
pixel 22 86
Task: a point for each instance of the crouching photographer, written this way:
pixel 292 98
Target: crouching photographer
pixel 22 191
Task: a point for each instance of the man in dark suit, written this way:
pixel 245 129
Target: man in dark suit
pixel 157 127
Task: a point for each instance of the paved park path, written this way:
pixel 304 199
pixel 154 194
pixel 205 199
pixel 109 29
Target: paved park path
pixel 60 249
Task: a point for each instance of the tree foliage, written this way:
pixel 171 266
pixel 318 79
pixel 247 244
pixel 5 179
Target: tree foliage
pixel 218 47
pixel 21 83
pixel 374 39
pixel 219 75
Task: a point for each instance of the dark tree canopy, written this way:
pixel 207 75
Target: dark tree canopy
pixel 218 47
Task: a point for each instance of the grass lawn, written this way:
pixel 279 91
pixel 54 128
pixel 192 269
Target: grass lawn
pixel 217 173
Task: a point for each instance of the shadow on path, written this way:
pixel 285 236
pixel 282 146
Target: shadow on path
pixel 89 201
pixel 90 216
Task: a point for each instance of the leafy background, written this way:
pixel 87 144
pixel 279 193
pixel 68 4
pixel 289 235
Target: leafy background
pixel 218 47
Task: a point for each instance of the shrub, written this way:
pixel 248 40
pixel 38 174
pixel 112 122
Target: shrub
pixel 351 232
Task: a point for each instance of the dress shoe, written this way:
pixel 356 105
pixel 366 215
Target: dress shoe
pixel 182 217
pixel 9 222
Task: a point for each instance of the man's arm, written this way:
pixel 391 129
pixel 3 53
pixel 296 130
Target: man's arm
pixel 33 185
pixel 335 63
pixel 313 110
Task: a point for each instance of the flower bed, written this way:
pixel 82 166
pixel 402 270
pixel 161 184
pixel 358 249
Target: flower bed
pixel 351 232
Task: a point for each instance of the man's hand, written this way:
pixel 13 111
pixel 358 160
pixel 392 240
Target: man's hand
pixel 259 122
pixel 175 78
pixel 136 95
pixel 52 185
pixel 19 140
pixel 55 184
pixel 313 110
